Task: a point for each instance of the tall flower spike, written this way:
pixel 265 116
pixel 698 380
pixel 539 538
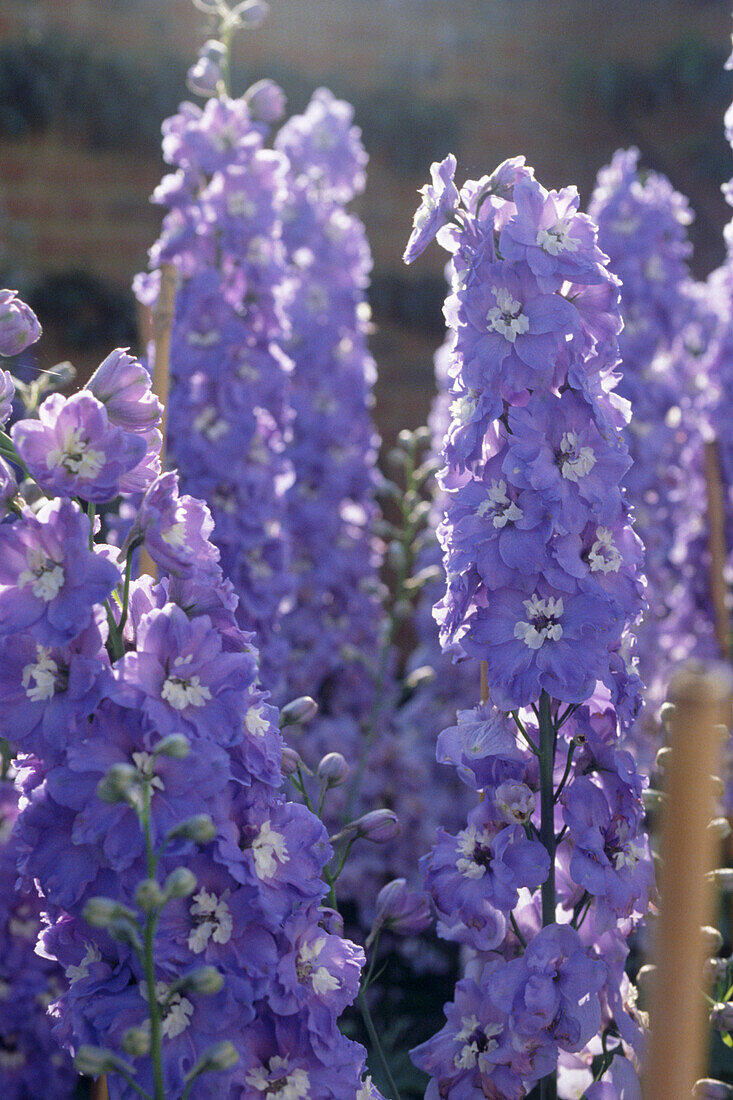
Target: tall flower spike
pixel 542 582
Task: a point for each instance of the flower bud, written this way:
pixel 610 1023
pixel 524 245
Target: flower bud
pixel 199 828
pixel 645 977
pixel 663 758
pixel 7 393
pixel 174 745
pixel 708 1089
pixel 419 677
pixel 714 970
pixel 180 883
pixel 136 1042
pixel 148 895
pixel 379 826
pixel 94 1061
pixel 298 711
pixel 266 101
pixel 206 980
pixel 102 912
pixel 331 921
pixel 712 939
pixel 204 76
pixel 332 769
pixel 290 761
pixel 119 784
pixel 402 911
pixel 219 1057
pixel 19 327
pixel 721 1016
pixel 723 878
pixel 720 828
pixel 515 802
pixel 249 13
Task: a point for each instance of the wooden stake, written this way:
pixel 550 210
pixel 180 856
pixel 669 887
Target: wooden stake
pixel 717 546
pixel 162 323
pixel 484 682
pixel 99 1089
pixel 702 700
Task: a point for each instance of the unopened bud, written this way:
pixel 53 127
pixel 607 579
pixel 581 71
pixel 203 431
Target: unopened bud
pixel 136 1042
pixel 711 938
pixel 515 802
pixel 663 758
pixel 721 1016
pixel 199 828
pixel 101 912
pixel 206 980
pixel 645 977
pixel 723 878
pixel 714 970
pixel 266 101
pixel 175 745
pixel 149 896
pixel 298 711
pixel 419 677
pixel 290 761
pixel 720 828
pixel 94 1061
pixel 403 911
pixel 331 921
pixel 120 782
pixel 180 883
pixel 708 1089
pixel 379 826
pixel 332 769
pixel 219 1057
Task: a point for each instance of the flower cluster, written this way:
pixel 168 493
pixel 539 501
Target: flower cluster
pixel 182 893
pixel 552 868
pixel 229 406
pixel 642 225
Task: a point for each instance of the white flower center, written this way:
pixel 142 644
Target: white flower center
pixel 181 692
pixel 463 408
pixel 503 510
pixel 475 849
pixel 575 461
pixel 558 239
pixel 268 848
pixel 506 316
pixel 76 973
pixel 476 1040
pixel 604 556
pixel 256 721
pixel 76 456
pixel 322 980
pixel 39 680
pixel 212 921
pixel 206 339
pixel 210 424
pixel 239 205
pixel 293 1085
pixel 45 577
pixel 176 1016
pixel 145 763
pixel 542 621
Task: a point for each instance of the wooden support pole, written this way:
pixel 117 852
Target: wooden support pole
pixel 702 700
pixel 162 323
pixel 717 547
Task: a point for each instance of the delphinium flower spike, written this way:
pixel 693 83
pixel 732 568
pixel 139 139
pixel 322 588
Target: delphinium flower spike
pixel 552 869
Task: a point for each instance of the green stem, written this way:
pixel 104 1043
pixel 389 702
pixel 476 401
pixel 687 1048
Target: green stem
pixel 91 512
pixel 125 593
pixel 376 1045
pixel 151 921
pixel 515 929
pixel 566 773
pixel 548 740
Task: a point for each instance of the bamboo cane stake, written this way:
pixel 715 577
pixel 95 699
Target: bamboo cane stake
pixel 484 683
pixel 702 700
pixel 717 546
pixel 162 323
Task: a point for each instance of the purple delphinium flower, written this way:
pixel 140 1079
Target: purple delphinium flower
pixel 19 327
pixel 175 530
pixel 50 581
pixel 73 450
pixel 123 386
pixel 542 583
pixel 7 394
pixel 439 200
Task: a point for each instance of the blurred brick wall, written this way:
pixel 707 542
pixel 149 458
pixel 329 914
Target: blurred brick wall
pixel 500 68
